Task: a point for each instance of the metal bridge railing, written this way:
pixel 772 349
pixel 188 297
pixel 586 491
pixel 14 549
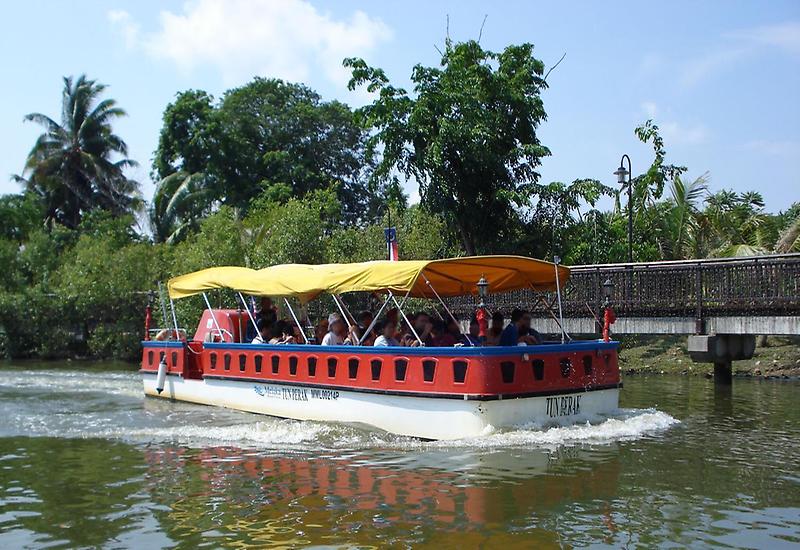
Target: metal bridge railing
pixel 758 285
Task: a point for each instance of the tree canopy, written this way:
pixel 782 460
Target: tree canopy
pixel 468 135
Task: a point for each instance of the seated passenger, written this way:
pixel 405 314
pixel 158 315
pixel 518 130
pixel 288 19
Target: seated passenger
pixel 517 331
pixel 495 329
pixel 283 333
pixel 442 338
pixel 423 326
pixel 264 331
pixel 387 330
pixel 337 331
pixel 356 332
pixel 472 338
pixel 320 331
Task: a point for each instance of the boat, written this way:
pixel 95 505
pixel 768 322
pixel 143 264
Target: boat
pixel 424 392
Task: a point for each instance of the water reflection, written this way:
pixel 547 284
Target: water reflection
pixel 258 498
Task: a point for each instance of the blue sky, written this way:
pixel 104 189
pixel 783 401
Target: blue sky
pixel 722 78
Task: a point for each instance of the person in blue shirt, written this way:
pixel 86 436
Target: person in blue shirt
pixel 519 330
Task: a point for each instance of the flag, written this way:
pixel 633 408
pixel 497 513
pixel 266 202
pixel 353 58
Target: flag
pixel 391 243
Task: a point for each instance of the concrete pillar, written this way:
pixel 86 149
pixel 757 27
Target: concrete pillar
pixel 723 373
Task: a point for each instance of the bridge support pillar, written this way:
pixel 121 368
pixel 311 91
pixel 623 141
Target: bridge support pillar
pixel 723 373
pixel 722 350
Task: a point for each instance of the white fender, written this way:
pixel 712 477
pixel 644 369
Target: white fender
pixel 162 375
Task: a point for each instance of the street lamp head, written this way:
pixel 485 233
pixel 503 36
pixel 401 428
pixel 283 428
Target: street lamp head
pixel 483 287
pixel 608 288
pixel 621 174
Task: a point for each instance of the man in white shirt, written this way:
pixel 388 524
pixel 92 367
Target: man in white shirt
pixel 264 332
pixel 337 331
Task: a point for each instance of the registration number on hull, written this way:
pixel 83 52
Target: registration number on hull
pixel 564 405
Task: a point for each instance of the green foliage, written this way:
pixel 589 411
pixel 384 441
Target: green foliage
pixel 468 135
pixel 73 166
pixel 20 215
pixel 263 135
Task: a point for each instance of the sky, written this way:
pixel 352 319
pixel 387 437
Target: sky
pixel 720 78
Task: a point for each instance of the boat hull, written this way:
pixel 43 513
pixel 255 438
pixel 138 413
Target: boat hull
pixel 429 417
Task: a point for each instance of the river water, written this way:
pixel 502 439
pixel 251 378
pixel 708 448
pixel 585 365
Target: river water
pixel 86 461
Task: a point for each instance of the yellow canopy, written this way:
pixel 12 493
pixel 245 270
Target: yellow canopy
pixel 450 277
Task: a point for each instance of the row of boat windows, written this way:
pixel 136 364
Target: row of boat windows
pixel 507 368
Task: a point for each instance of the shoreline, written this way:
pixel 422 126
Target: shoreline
pixel 667 355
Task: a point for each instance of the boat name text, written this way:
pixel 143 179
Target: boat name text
pixel 295 394
pixel 563 406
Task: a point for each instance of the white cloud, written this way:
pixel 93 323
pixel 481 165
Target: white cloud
pixel 785 36
pixel 779 148
pixel 650 109
pixel 129 28
pixel 680 134
pixel 676 132
pixel 287 39
pixel 695 70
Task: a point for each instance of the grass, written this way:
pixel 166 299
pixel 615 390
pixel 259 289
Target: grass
pixel 780 357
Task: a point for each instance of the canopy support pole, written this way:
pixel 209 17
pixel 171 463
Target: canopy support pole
pixel 175 319
pixel 249 313
pixel 285 301
pixel 213 317
pixel 556 261
pixel 341 310
pixel 350 315
pixel 450 313
pixel 374 320
pixel 163 304
pixel 410 325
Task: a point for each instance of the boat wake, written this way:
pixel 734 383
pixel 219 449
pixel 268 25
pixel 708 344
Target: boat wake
pixel 109 405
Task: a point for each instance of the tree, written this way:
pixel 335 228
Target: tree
pixel 468 136
pixel 268 134
pixel 78 165
pixel 179 203
pixel 679 228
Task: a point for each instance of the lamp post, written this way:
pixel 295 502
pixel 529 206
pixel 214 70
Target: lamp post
pixel 621 174
pixel 480 315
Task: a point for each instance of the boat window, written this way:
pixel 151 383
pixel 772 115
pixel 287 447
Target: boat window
pixel 242 361
pixel 352 368
pixel 587 365
pixel 376 365
pixel 259 359
pixel 566 367
pixel 276 361
pixel 213 360
pixel 507 371
pixel 538 369
pixel 332 367
pixel 227 360
pixel 428 370
pixel 293 365
pixel 400 368
pixel 161 356
pixel 150 357
pixel 459 371
pixel 312 366
pixel 174 358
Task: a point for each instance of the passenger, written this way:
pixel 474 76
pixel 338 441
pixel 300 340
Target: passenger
pixel 363 321
pixel 283 333
pixel 534 337
pixel 516 333
pixel 387 330
pixel 423 326
pixel 495 330
pixel 320 331
pixel 394 315
pixel 264 332
pixel 441 337
pixel 454 328
pixel 337 331
pixel 472 338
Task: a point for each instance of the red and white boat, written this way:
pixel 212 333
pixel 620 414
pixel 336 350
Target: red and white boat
pixel 426 392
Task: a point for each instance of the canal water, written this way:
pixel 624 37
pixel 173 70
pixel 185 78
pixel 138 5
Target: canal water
pixel 86 461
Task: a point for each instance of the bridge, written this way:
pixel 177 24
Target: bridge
pixel 721 303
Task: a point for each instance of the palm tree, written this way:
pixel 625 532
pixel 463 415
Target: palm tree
pixel 181 200
pixel 78 165
pixel 680 235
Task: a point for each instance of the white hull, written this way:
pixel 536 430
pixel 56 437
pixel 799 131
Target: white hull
pixel 425 417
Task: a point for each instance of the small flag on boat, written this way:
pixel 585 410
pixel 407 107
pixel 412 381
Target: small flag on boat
pixel 391 243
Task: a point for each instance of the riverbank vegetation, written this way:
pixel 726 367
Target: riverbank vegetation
pixel 272 173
